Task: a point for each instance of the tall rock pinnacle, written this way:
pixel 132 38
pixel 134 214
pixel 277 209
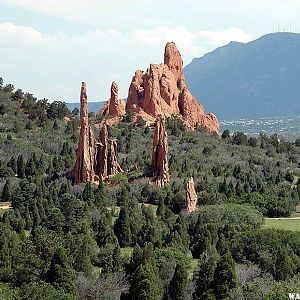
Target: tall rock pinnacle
pixel 114 108
pixel 191 196
pixel 160 153
pixel 162 90
pixel 84 166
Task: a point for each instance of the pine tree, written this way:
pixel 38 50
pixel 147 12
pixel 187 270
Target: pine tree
pixel 122 228
pixel 7 191
pixel 60 274
pixel 178 283
pixel 30 168
pixel 225 276
pixel 87 194
pixel 13 164
pixel 27 218
pixel 21 166
pixel 35 215
pixel 146 284
pixel 205 275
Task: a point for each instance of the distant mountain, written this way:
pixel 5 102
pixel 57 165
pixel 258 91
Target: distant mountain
pixel 253 80
pixel 93 106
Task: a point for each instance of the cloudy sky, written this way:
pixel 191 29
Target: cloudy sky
pixel 48 47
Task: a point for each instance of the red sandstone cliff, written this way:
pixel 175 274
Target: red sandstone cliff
pixel 162 90
pixel 160 153
pixel 191 196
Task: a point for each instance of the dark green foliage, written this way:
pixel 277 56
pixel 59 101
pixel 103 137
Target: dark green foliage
pixel 225 276
pixel 7 191
pixel 274 251
pixel 178 283
pixel 60 274
pixel 56 231
pixel 122 227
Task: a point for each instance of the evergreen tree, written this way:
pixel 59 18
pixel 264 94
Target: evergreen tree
pixel 205 274
pixel 21 166
pixel 178 283
pixel 13 164
pixel 122 228
pixel 7 191
pixel 225 276
pixel 60 274
pixel 30 168
pixel 146 284
pixel 27 218
pixel 87 194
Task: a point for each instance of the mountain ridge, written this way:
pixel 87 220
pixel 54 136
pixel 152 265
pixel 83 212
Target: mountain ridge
pixel 255 79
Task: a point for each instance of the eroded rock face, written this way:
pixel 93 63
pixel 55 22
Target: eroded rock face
pixel 106 159
pixel 160 153
pixel 95 160
pixel 114 107
pixel 191 196
pixel 162 90
pixel 84 166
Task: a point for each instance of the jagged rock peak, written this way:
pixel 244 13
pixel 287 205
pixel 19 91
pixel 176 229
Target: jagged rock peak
pixel 162 90
pixel 172 58
pixel 191 196
pixel 160 153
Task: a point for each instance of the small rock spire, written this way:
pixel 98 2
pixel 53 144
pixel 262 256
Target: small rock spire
pixel 191 196
pixel 160 153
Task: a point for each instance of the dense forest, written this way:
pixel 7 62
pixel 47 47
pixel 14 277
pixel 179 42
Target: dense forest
pixel 129 239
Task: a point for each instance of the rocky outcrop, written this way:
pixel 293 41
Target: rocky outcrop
pixel 191 196
pixel 84 166
pixel 95 160
pixel 114 108
pixel 160 153
pixel 106 162
pixel 162 90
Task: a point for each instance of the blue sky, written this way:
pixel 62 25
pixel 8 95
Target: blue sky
pixel 48 47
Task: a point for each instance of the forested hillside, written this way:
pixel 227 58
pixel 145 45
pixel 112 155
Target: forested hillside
pixel 130 239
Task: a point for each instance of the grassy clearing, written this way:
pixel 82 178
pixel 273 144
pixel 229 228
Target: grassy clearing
pixel 285 224
pixel 126 252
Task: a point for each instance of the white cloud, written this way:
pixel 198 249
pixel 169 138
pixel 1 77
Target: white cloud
pixel 54 65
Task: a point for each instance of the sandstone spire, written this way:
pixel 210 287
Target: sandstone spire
pixel 162 90
pixel 106 160
pixel 191 196
pixel 84 166
pixel 160 153
pixel 114 108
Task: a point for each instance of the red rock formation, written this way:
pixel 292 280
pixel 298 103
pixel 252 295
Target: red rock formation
pixel 191 196
pixel 106 159
pixel 84 166
pixel 114 107
pixel 160 153
pixel 162 90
